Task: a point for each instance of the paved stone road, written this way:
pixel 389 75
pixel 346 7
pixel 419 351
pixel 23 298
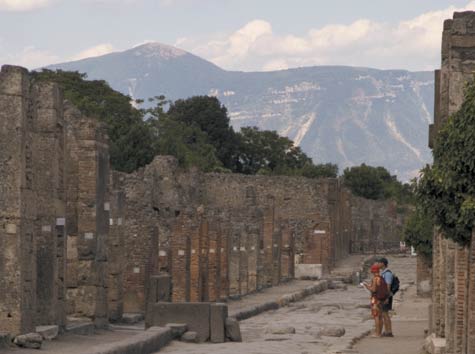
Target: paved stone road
pixel 347 308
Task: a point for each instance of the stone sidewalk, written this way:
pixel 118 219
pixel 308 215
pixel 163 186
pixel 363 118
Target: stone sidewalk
pixel 410 318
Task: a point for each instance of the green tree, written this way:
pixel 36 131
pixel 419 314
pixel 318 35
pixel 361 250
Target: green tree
pixel 130 140
pixel 364 181
pixel 418 232
pixel 266 152
pixel 376 183
pixel 327 170
pixel 446 189
pixel 188 143
pixel 211 117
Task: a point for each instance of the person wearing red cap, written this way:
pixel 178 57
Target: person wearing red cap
pixel 377 289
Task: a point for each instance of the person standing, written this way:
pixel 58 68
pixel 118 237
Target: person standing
pixel 376 298
pixel 387 305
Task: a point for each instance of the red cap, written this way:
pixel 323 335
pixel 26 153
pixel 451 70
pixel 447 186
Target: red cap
pixel 375 268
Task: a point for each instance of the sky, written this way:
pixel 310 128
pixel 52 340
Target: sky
pixel 248 35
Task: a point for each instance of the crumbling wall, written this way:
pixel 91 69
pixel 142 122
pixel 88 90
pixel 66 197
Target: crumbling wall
pixel 376 226
pixel 54 171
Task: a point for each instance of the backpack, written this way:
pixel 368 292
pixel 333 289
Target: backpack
pixel 395 284
pixel 382 292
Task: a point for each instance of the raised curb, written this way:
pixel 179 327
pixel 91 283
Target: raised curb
pixel 150 341
pixel 281 302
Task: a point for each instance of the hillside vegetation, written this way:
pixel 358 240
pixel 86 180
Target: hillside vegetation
pixel 196 131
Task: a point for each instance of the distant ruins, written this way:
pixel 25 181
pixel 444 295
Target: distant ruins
pixel 452 316
pixel 79 240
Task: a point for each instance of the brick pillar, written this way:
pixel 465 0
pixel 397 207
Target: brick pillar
pixel 204 260
pixel 234 261
pixel 276 254
pixel 17 204
pixel 470 306
pixel 268 243
pixel 243 262
pixel 224 259
pixel 195 265
pixel 213 262
pixel 286 255
pixel 252 257
pixel 461 289
pixel 88 217
pixel 116 249
pixel 438 281
pixel 450 303
pixel 443 285
pixel 180 253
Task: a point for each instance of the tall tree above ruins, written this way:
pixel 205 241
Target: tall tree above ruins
pixel 130 138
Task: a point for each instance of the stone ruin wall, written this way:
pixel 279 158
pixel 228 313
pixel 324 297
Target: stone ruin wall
pixel 452 314
pixel 79 240
pixel 377 226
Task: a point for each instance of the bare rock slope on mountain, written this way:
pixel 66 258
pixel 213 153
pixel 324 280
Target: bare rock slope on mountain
pixel 344 115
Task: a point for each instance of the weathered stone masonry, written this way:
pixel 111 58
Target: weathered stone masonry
pixel 79 240
pixel 231 235
pixel 453 298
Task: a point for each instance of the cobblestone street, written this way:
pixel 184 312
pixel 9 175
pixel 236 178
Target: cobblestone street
pixel 343 308
pixel 328 322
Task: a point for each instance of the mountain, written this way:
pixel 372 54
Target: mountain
pixel 339 114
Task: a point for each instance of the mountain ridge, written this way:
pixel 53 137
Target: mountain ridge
pixel 341 114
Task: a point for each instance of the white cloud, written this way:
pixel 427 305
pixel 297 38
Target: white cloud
pixel 30 57
pixel 23 5
pixel 98 50
pixel 411 44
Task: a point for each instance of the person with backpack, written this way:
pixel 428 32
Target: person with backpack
pixel 379 294
pixel 392 283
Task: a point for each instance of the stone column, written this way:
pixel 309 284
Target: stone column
pixel 116 249
pixel 49 186
pixel 17 204
pixel 224 258
pixel 268 244
pixel 88 210
pixel 213 261
pixel 243 260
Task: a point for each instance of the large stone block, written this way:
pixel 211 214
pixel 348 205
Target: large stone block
pixel 308 271
pixel 218 315
pixel 160 288
pixel 195 315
